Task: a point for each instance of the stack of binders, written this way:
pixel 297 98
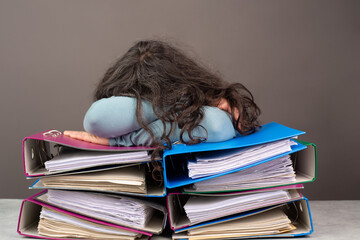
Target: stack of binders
pixel 242 188
pixel 89 191
pixel 246 187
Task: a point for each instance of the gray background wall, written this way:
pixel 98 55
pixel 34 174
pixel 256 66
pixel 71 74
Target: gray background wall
pixel 299 58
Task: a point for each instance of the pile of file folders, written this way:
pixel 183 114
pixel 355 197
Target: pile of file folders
pixel 246 187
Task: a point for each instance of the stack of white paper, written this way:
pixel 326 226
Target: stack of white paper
pixel 274 221
pixel 211 163
pixel 275 172
pixel 127 179
pixel 121 211
pixel 58 225
pixel 72 160
pixel 200 209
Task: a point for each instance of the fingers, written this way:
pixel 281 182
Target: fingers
pixel 87 137
pixel 81 135
pixel 67 133
pixel 99 140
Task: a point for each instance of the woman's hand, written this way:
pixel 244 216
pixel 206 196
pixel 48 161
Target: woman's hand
pixel 87 137
pixel 225 106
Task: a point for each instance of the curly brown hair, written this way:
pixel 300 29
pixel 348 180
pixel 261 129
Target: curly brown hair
pixel 178 87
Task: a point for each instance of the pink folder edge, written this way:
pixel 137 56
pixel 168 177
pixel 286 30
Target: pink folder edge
pixel 71 142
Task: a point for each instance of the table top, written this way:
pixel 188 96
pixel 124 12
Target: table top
pixel 331 219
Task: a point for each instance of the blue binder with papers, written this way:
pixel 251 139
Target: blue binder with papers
pixel 302 220
pixel 175 159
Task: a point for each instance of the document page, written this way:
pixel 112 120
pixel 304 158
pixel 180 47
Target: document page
pixel 121 211
pixel 127 179
pixel 274 221
pixel 211 163
pixel 80 159
pixel 275 172
pixel 203 208
pixel 59 225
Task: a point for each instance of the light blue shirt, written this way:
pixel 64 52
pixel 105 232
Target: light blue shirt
pixel 115 118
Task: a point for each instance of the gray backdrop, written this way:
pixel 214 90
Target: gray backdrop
pixel 299 58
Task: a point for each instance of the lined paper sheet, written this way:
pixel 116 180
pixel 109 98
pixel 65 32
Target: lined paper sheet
pixel 202 208
pixel 275 172
pixel 211 163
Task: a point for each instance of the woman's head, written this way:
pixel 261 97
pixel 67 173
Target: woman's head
pixel 177 86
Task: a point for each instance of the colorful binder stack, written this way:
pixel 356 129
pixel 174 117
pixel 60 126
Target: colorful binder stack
pixel 89 191
pixel 245 187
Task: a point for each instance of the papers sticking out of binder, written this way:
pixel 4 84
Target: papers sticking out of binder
pixel 120 211
pixel 50 153
pixel 69 159
pixel 276 172
pixel 211 163
pixel 40 220
pixel 58 225
pixel 300 167
pixel 243 192
pixel 291 219
pixel 195 210
pixel 125 212
pixel 188 164
pixel 271 222
pixel 128 179
pixel 133 180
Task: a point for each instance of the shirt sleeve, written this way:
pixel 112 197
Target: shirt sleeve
pixel 217 123
pixel 116 116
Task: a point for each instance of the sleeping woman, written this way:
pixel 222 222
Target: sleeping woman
pixel 155 95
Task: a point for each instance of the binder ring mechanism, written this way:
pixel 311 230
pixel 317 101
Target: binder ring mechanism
pixel 52 133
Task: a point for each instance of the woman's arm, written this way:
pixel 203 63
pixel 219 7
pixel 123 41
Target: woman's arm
pixel 112 121
pixel 115 116
pixel 217 123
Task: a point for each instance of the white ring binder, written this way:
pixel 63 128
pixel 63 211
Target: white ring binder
pixel 53 133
